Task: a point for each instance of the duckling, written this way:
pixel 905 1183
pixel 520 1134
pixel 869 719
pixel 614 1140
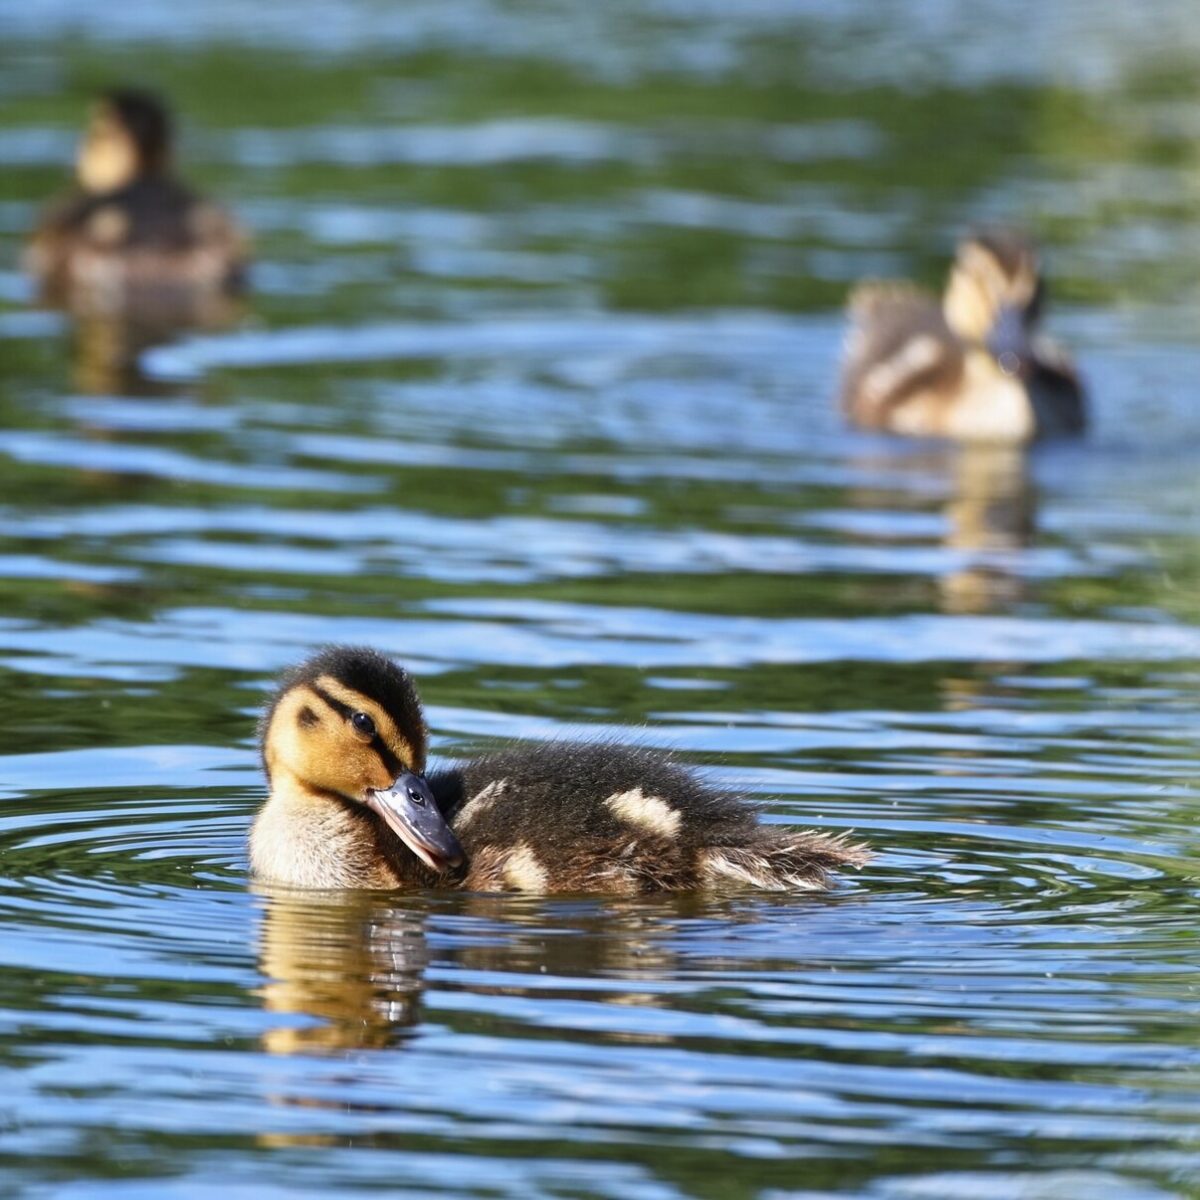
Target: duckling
pixel 131 232
pixel 344 744
pixel 973 367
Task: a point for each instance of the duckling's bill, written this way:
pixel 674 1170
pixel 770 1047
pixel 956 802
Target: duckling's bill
pixel 410 811
pixel 1009 341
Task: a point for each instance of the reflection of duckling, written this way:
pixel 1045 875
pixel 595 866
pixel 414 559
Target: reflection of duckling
pixel 107 348
pixel 993 510
pixel 972 367
pixel 344 746
pixel 132 235
pixel 353 962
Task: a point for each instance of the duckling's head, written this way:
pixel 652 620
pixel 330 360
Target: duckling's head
pixel 994 295
pixel 128 134
pixel 346 725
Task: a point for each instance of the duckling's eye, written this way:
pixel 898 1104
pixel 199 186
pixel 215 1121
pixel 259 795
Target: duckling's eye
pixel 416 797
pixel 363 723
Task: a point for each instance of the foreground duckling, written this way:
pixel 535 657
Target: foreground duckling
pixel 344 744
pixel 131 231
pixel 973 367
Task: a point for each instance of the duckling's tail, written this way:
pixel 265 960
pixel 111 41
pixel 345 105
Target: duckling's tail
pixel 799 861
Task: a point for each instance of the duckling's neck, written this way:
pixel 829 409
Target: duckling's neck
pixel 310 838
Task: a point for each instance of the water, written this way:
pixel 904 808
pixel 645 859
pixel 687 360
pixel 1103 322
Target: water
pixel 534 393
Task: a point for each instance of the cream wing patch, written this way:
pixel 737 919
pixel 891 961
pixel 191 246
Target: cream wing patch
pixel 649 813
pixel 523 872
pixel 917 355
pixel 108 226
pixel 480 802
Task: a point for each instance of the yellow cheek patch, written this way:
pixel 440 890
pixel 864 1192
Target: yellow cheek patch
pixel 107 159
pixel 966 305
pixel 326 764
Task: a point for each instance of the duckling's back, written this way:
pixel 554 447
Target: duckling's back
pixel 151 235
pixel 589 817
pixel 899 354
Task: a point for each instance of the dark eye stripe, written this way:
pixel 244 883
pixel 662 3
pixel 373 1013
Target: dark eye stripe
pixel 343 710
pixel 390 761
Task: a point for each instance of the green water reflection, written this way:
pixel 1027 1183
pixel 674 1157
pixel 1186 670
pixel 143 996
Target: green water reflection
pixel 534 391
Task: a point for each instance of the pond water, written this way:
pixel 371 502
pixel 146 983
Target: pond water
pixel 534 392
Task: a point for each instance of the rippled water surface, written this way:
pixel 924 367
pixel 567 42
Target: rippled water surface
pixel 534 392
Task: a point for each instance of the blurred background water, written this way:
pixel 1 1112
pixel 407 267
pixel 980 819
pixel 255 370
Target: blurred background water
pixel 534 392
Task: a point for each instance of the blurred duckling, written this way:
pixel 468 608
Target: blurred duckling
pixel 973 367
pixel 132 235
pixel 344 744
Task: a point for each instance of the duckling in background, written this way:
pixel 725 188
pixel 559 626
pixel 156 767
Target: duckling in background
pixel 973 367
pixel 344 744
pixel 132 236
